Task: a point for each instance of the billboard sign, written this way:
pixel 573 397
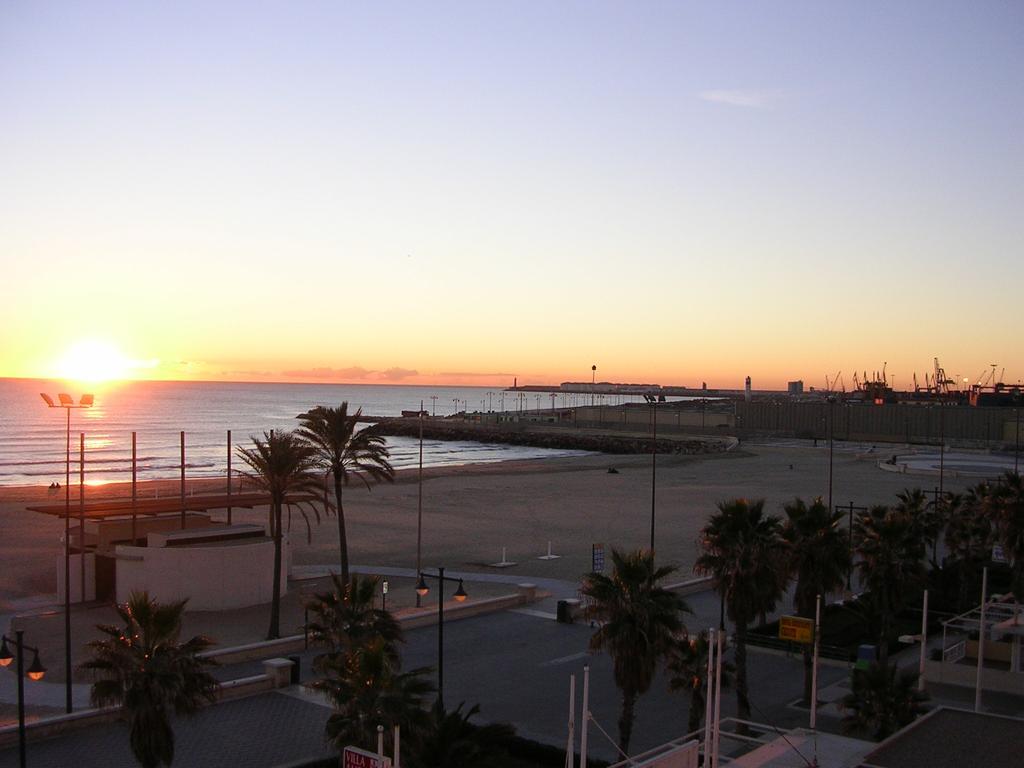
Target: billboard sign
pixel 796 629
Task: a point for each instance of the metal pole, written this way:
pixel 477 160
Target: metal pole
pixel 570 745
pixel 814 665
pixel 654 468
pixel 183 480
pixel 229 477
pixel 419 507
pixel 440 639
pixel 67 570
pixel 849 530
pixel 709 697
pixel 831 442
pixel 718 698
pixel 924 642
pixel 81 515
pixel 981 641
pixel 135 489
pixel 942 449
pixel 21 696
pixel 586 716
pixel 1016 443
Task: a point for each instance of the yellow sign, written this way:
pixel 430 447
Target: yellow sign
pixel 797 629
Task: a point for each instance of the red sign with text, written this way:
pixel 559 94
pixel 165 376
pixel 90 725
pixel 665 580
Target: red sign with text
pixel 353 757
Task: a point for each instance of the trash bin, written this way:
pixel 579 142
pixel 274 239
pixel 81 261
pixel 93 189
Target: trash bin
pixel 563 613
pixel 866 655
pixel 296 674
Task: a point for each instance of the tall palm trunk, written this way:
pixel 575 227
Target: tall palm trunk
pixel 626 719
pixel 696 709
pixel 742 699
pixel 342 537
pixel 275 601
pixel 883 641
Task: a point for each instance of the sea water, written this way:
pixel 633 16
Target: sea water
pixel 32 436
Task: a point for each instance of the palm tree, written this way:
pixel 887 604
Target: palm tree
pixel 930 517
pixel 882 700
pixel 344 620
pixel 688 670
pixel 449 740
pixel 144 669
pixel 819 557
pixel 343 450
pixel 638 621
pixel 282 465
pixel 891 550
pixel 742 548
pixel 969 537
pixel 1007 512
pixel 368 689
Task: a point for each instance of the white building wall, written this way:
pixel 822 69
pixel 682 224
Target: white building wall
pixel 213 578
pixel 76 578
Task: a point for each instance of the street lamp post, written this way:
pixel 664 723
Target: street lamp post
pixel 460 596
pixel 419 503
pixel 35 672
pixel 849 533
pixel 67 403
pixel 593 383
pixel 654 463
pixel 1016 439
pixel 831 441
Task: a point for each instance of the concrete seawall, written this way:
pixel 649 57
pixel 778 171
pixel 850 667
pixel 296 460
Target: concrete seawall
pixel 558 437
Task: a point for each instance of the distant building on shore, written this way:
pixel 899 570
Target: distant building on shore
pixel 795 387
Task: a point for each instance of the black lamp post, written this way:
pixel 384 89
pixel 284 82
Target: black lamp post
pixel 849 532
pixel 35 672
pixel 831 442
pixel 654 462
pixel 68 403
pixel 1016 439
pixel 460 596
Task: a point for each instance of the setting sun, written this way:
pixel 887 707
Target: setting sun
pixel 94 361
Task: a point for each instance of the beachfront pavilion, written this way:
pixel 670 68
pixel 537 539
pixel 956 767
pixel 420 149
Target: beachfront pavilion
pixel 173 547
pixel 1000 626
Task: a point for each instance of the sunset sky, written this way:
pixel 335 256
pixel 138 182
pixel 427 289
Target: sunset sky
pixel 466 192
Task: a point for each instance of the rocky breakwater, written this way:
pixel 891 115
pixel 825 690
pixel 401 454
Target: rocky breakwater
pixel 557 437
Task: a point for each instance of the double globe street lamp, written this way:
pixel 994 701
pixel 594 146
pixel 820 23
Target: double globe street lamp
pixel 460 597
pixel 68 404
pixel 35 672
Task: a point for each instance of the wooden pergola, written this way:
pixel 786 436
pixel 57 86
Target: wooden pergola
pixel 103 509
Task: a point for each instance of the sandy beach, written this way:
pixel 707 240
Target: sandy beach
pixel 471 512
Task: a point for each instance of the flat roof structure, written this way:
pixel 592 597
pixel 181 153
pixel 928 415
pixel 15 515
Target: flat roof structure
pixel 101 509
pixel 947 736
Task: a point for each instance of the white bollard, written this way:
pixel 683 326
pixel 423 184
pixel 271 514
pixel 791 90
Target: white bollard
pixel 505 562
pixel 549 555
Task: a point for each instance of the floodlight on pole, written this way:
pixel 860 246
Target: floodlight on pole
pixel 67 403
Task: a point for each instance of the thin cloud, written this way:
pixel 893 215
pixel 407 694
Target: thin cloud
pixel 397 374
pixel 470 374
pixel 740 98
